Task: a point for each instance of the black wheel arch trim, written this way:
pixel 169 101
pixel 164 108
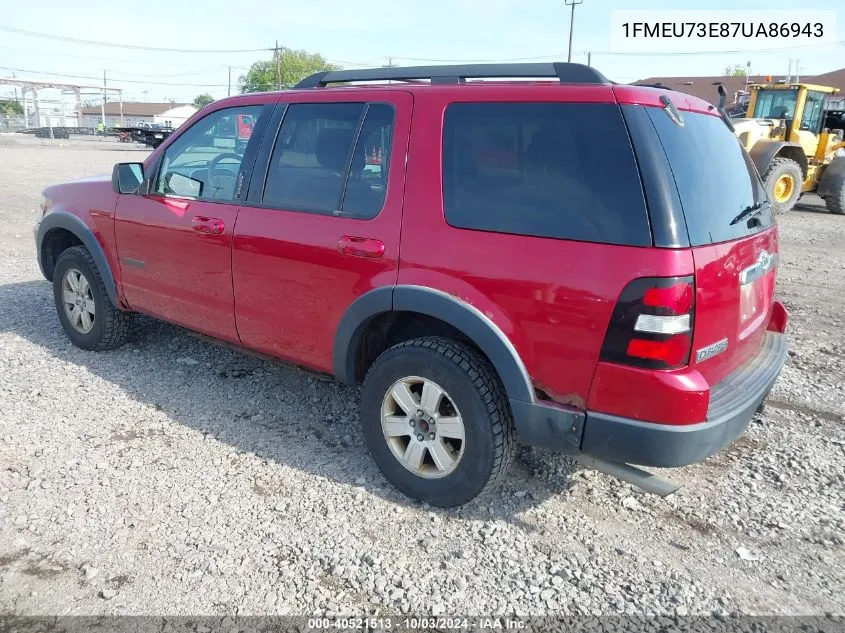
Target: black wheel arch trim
pixel 71 223
pixel 764 151
pixel 352 326
pixel 467 318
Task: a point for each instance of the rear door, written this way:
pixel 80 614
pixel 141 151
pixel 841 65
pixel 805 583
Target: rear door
pixel 732 234
pixel 321 223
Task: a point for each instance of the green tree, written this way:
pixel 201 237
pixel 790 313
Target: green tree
pixel 7 106
pixel 285 71
pixel 200 101
pixel 737 70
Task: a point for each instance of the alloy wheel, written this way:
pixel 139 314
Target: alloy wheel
pixel 423 427
pixel 78 301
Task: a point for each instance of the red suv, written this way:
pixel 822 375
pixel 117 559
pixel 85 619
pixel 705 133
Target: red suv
pixel 571 263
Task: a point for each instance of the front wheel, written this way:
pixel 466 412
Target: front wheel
pixel 436 421
pixel 835 201
pixel 85 311
pixel 783 180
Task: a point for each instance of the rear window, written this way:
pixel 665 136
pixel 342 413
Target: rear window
pixel 560 170
pixel 716 179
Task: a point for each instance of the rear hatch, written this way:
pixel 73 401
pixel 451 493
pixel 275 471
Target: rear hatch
pixel 732 234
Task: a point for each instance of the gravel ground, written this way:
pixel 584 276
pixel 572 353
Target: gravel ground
pixel 175 476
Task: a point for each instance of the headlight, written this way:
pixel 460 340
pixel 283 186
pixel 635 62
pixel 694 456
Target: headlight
pixel 46 203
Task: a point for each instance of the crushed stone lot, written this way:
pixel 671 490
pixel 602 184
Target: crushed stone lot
pixel 175 476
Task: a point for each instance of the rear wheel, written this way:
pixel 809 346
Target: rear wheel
pixel 436 421
pixel 835 201
pixel 783 181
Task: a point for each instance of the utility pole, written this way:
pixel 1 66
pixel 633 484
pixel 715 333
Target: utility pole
pixel 797 70
pixel 103 104
pixel 229 92
pixel 278 67
pixel 78 96
pixel 589 55
pixel 747 73
pixel 789 72
pixel 25 109
pixel 389 64
pixel 573 4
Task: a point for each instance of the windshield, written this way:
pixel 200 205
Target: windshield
pixel 775 104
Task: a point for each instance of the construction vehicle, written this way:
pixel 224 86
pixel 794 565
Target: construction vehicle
pixel 785 132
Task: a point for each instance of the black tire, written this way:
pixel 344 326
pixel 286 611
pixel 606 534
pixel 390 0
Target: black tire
pixel 778 168
pixel 110 325
pixel 835 202
pixel 473 385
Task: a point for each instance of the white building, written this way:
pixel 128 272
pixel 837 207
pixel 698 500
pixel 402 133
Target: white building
pixel 167 114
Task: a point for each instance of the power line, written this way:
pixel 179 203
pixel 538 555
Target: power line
pixel 76 40
pixel 682 53
pixel 109 58
pixel 368 62
pixel 365 63
pixel 128 81
pixel 480 61
pixel 414 59
pixel 556 56
pixel 193 73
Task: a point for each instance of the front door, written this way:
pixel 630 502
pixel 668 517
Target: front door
pixel 174 244
pixel 322 227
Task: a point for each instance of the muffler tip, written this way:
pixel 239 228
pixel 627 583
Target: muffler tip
pixel 638 477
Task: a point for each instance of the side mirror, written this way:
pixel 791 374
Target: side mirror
pixel 127 177
pixel 181 185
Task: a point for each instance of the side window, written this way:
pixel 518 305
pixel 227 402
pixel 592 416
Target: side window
pixel 560 170
pixel 367 183
pixel 812 118
pixel 327 159
pixel 204 162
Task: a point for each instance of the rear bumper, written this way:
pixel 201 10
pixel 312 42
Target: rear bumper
pixel 732 405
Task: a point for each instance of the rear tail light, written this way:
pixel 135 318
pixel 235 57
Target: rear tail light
pixel 652 323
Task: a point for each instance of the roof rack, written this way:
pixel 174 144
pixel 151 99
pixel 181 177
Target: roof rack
pixel 654 85
pixel 566 73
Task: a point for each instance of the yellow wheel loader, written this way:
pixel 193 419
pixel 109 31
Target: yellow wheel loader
pixel 795 152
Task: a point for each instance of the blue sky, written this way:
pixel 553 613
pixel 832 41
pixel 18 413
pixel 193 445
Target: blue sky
pixel 350 33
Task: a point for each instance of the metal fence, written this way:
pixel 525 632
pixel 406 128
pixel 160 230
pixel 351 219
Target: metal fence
pixel 11 122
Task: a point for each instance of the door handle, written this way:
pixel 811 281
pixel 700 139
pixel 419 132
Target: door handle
pixel 202 224
pixel 360 246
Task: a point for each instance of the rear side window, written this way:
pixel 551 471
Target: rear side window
pixel 309 162
pixel 331 158
pixel 716 179
pixel 561 170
